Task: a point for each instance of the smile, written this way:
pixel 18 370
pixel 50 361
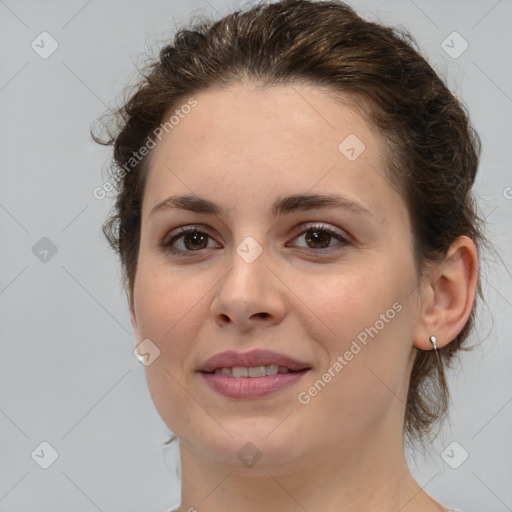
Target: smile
pixel 253 374
pixel 252 371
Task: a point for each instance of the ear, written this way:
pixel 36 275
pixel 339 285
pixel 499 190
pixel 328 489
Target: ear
pixel 448 295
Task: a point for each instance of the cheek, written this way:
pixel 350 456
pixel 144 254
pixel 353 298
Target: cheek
pixel 363 321
pixel 337 306
pixel 170 309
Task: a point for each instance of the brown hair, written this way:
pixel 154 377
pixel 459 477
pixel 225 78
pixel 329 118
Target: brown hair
pixel 432 149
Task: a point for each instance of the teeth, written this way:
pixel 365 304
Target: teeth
pixel 257 371
pixel 240 371
pixel 253 371
pixel 271 369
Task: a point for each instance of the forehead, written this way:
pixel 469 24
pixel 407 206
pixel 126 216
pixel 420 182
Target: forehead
pixel 305 111
pixel 286 138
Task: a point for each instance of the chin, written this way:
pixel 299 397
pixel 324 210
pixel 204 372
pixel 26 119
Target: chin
pixel 252 449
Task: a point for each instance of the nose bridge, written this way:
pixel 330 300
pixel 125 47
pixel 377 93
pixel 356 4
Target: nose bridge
pixel 249 289
pixel 248 268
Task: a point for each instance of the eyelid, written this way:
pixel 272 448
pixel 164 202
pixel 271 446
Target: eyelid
pixel 343 238
pixel 322 226
pixel 183 230
pixel 176 234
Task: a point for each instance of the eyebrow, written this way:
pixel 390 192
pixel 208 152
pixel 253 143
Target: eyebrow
pixel 284 205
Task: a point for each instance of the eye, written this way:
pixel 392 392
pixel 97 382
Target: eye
pixel 318 237
pixel 189 238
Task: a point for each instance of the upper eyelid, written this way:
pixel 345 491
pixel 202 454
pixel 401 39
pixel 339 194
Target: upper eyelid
pixel 322 226
pixel 301 229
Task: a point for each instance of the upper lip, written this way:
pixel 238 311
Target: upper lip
pixel 230 359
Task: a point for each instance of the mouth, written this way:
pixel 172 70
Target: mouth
pixel 252 374
pixel 256 363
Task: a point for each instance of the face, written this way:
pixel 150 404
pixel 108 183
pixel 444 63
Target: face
pixel 332 286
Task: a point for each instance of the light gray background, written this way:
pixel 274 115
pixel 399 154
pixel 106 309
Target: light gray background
pixel 67 372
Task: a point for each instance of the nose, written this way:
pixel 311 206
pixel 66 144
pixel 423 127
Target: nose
pixel 249 295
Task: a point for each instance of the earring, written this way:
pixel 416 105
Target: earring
pixel 433 340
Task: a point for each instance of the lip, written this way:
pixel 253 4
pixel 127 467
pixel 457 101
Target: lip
pixel 251 387
pixel 256 357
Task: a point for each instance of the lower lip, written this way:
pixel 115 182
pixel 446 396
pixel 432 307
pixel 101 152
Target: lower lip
pixel 251 387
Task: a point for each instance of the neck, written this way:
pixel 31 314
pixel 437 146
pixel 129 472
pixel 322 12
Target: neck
pixel 369 474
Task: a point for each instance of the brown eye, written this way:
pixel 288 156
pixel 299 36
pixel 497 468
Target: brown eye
pixel 319 238
pixel 195 240
pixel 191 239
pixel 322 237
pixel 187 240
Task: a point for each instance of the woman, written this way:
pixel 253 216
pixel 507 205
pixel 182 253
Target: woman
pixel 300 249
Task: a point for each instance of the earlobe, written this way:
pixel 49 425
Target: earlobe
pixel 449 295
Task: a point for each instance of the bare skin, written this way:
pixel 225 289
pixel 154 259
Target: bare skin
pixel 309 298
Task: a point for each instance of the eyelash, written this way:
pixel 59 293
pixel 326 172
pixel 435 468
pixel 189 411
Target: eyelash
pixel 167 242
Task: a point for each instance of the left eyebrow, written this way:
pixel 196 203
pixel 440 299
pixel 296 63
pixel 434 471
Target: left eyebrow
pixel 282 206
